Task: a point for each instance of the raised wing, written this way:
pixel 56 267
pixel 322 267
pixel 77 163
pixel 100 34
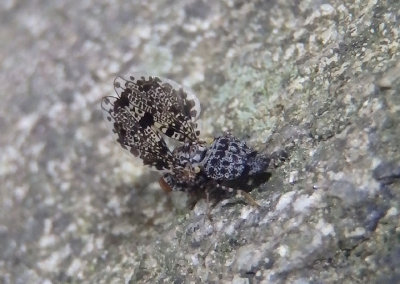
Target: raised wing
pixel 160 103
pixel 134 132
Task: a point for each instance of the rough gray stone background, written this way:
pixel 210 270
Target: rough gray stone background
pixel 320 79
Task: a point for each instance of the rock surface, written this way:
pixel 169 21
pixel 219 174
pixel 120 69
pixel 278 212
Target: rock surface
pixel 319 80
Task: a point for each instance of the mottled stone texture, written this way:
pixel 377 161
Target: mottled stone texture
pixel 319 80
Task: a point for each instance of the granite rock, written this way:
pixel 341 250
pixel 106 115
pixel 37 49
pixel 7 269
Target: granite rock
pixel 319 81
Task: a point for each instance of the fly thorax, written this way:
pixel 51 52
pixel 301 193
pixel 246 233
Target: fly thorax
pixel 190 154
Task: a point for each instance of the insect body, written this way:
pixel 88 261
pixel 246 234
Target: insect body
pixel 147 111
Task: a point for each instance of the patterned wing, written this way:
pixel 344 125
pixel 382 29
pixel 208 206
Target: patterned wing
pixel 161 103
pixel 135 133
